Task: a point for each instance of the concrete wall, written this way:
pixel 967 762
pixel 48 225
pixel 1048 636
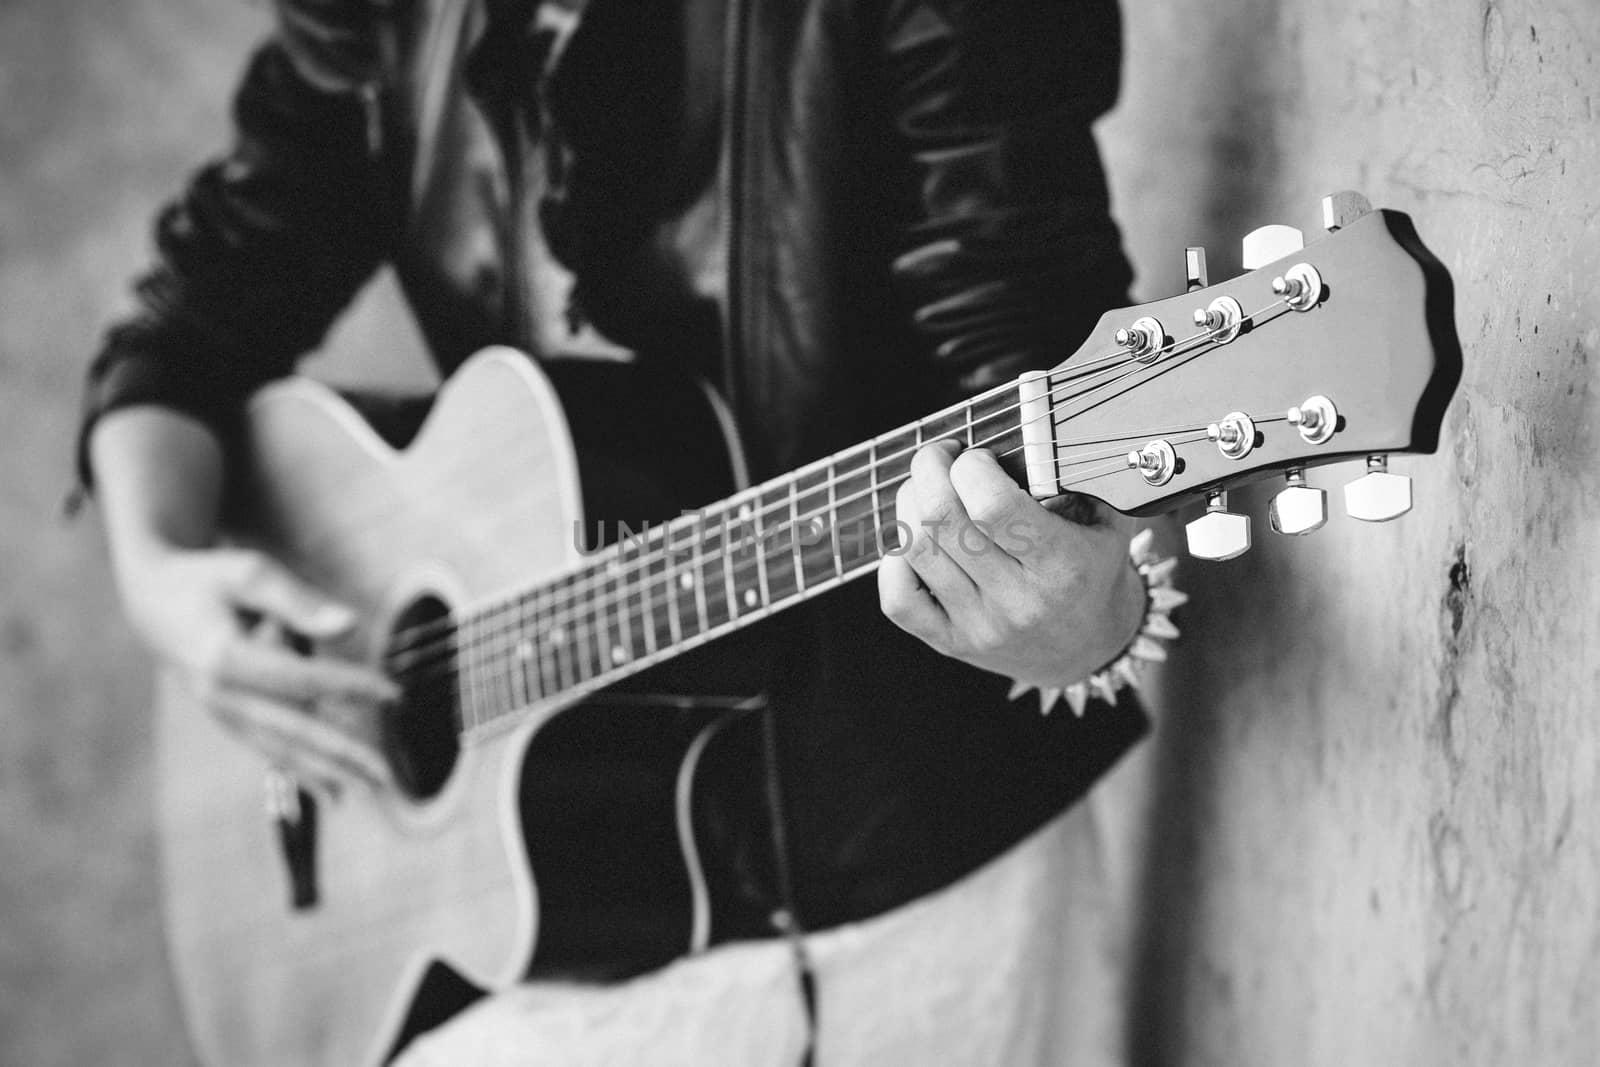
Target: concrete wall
pixel 1367 830
pixel 1374 829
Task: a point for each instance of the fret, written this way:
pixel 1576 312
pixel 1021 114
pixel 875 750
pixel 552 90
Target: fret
pixel 713 572
pixel 855 526
pixel 656 584
pixel 617 645
pixel 728 547
pixel 776 544
pixel 757 547
pixel 480 670
pixel 560 632
pixel 833 518
pixel 814 534
pixel 639 568
pixel 522 654
pixel 744 565
pixel 597 601
pixel 967 408
pixel 947 425
pixel 505 654
pixel 549 684
pixel 696 572
pixel 795 547
pixel 669 571
pixel 892 454
pixel 691 604
pixel 998 419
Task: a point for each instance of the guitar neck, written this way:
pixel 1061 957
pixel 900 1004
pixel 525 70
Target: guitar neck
pixel 1343 350
pixel 662 589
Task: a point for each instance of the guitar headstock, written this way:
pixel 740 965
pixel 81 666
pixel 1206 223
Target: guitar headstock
pixel 1345 349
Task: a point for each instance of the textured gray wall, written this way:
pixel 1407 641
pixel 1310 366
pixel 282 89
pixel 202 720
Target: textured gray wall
pixel 1368 829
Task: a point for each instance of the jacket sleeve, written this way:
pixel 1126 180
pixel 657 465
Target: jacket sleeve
pixel 1011 254
pixel 263 249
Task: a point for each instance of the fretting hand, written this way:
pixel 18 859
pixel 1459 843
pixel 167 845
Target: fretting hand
pixel 995 579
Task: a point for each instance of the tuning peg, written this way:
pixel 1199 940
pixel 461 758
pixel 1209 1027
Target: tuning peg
pixel 1378 496
pixel 1343 208
pixel 1299 509
pixel 1218 534
pixel 1268 243
pixel 1194 268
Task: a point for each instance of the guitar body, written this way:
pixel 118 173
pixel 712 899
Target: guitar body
pixel 403 896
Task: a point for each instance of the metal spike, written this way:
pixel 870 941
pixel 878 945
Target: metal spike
pixel 1101 684
pixel 1146 649
pixel 1047 700
pixel 1077 696
pixel 1157 625
pixel 1140 549
pixel 1160 573
pixel 1164 598
pixel 1127 669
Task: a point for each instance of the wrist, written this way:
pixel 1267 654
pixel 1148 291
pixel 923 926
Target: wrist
pixel 1147 599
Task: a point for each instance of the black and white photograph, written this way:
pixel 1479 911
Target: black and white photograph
pixel 799 533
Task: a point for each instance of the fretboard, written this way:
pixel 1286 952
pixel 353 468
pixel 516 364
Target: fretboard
pixel 660 590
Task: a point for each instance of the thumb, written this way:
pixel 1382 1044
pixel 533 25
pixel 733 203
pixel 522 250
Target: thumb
pixel 266 586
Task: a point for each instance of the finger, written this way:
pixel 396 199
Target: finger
pixel 264 585
pixel 272 671
pixel 995 505
pixel 946 580
pixel 290 734
pixel 908 603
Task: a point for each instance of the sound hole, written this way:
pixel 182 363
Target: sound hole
pixel 420 734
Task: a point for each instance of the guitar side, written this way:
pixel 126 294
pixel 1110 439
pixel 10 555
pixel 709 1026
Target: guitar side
pixel 484 499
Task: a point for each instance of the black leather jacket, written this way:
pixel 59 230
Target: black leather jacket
pixel 915 209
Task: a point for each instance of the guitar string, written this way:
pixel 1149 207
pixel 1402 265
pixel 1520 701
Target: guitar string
pixel 626 596
pixel 571 605
pixel 623 602
pixel 506 681
pixel 589 573
pixel 594 576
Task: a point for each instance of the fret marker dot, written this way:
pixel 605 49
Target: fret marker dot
pixel 746 513
pixel 816 527
pixel 557 636
pixel 613 565
pixel 619 654
pixel 751 598
pixel 686 581
pixel 525 650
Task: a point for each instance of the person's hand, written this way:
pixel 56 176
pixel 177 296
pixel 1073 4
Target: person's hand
pixel 996 580
pixel 221 618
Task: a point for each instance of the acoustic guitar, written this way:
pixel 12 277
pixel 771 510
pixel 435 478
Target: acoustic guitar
pixel 331 933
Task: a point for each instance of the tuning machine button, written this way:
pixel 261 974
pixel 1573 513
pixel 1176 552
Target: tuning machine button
pixel 1269 243
pixel 1195 275
pixel 1378 496
pixel 1343 208
pixel 1298 509
pixel 1315 417
pixel 1218 534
